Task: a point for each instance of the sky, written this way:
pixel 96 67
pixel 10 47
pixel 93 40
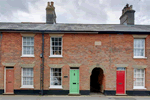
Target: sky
pixel 74 11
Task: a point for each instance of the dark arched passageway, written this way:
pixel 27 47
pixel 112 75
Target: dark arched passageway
pixel 96 80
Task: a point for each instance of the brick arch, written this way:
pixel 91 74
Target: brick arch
pixel 104 72
pixel 97 66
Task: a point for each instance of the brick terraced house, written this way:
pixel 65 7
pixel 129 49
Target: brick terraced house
pixel 75 59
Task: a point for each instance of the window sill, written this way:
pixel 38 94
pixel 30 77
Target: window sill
pixel 28 56
pixel 139 57
pixel 55 87
pixel 139 88
pixel 56 56
pixel 27 87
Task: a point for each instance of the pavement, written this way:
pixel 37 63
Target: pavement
pixel 64 97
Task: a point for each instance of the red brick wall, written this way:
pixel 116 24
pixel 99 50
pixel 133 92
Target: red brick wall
pixel 77 48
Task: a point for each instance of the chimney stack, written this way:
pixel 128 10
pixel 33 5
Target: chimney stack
pixel 127 16
pixel 50 13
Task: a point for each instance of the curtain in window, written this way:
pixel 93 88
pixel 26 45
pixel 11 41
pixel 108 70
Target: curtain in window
pixel 28 45
pixel 139 76
pixel 27 76
pixel 139 47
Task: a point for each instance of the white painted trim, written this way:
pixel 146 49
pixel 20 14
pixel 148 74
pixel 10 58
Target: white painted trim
pixel 55 56
pixel 61 47
pixel 22 55
pixel 139 87
pixel 27 56
pixel 4 79
pixel 144 49
pixel 54 86
pixel 139 57
pixel 26 86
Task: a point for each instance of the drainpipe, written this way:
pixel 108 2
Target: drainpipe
pixel 110 49
pixel 0 47
pixel 42 66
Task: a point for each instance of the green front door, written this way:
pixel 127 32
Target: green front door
pixel 74 81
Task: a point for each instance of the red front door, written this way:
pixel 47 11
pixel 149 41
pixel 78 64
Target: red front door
pixel 120 82
pixel 9 80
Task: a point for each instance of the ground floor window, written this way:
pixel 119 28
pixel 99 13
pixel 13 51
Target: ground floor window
pixel 55 78
pixel 139 78
pixel 27 77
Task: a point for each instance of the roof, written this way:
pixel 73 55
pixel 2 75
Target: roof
pixel 62 27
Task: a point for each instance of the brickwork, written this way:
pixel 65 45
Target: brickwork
pixel 77 48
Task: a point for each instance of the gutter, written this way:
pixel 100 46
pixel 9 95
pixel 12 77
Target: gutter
pixel 72 31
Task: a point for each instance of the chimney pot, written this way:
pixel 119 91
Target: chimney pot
pixel 52 3
pixel 48 4
pixel 127 5
pixel 131 7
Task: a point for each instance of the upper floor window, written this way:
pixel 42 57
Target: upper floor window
pixel 139 48
pixel 28 46
pixel 139 78
pixel 56 47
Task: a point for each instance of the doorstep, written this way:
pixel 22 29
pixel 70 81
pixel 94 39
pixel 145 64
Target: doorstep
pixel 121 94
pixel 8 93
pixel 74 94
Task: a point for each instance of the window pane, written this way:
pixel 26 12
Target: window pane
pixel 24 83
pixel 24 39
pixel 56 39
pixel 28 39
pixel 139 47
pixel 52 82
pixel 143 43
pixel 24 43
pixel 32 39
pixel 59 43
pixel 142 71
pixel 53 43
pixel 56 43
pixel 139 77
pixel 52 39
pixel 56 81
pixel 27 76
pixel 60 39
pixel 32 50
pixel 27 43
pixel 59 80
pixel 55 76
pixel 28 50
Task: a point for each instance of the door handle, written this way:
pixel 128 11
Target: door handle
pixel 9 81
pixel 119 83
pixel 74 83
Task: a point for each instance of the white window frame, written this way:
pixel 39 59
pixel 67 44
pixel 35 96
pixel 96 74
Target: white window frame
pixel 26 86
pixel 54 86
pixel 139 87
pixel 51 54
pixel 31 55
pixel 134 47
